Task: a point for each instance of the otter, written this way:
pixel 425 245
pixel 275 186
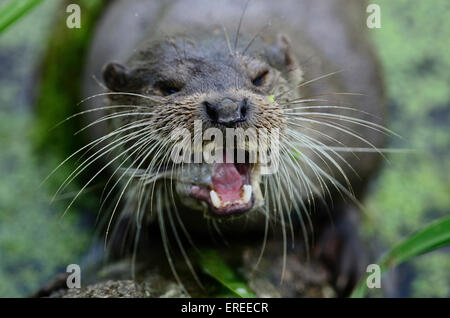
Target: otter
pixel 303 68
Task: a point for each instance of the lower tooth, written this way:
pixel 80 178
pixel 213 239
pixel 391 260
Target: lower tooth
pixel 215 199
pixel 247 193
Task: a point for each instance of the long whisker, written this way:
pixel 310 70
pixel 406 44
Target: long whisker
pixel 257 35
pixel 353 120
pixel 96 110
pixel 227 38
pixel 86 163
pixel 236 39
pixel 113 116
pixel 153 99
pixel 165 241
pixel 307 82
pixel 100 170
pixel 346 131
pixel 326 94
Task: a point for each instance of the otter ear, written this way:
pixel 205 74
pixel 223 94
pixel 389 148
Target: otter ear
pixel 282 57
pixel 284 47
pixel 116 76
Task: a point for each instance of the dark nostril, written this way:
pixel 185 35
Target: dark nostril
pixel 211 111
pixel 227 112
pixel 243 108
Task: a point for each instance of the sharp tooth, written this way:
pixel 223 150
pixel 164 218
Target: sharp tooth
pixel 247 193
pixel 215 199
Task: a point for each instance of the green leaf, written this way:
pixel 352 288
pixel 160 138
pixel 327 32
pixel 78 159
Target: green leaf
pixel 213 265
pixel 13 10
pixel 433 236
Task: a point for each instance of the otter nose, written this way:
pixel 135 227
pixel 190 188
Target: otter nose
pixel 227 112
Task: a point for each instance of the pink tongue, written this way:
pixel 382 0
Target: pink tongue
pixel 227 182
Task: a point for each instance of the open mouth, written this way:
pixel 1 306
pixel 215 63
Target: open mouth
pixel 230 191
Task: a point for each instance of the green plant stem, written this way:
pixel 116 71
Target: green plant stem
pixel 213 265
pixel 13 10
pixel 431 237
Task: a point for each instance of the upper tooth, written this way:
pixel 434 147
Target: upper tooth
pixel 215 199
pixel 247 193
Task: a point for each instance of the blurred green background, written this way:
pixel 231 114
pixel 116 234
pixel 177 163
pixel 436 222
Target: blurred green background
pixel 412 190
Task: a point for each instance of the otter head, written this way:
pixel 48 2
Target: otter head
pixel 188 94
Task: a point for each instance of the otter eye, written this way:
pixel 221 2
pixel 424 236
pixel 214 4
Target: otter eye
pixel 168 88
pixel 259 80
pixel 169 91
